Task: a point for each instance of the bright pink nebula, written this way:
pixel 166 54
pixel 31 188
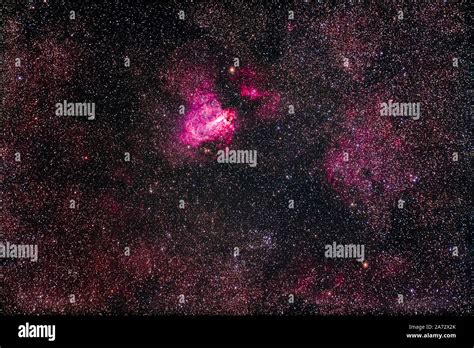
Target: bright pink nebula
pixel 207 121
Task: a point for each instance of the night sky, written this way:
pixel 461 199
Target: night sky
pixel 172 231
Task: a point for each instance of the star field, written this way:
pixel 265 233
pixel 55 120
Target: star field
pixel 131 212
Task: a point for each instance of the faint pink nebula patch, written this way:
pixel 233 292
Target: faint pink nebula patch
pixel 370 165
pixel 252 87
pixel 250 92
